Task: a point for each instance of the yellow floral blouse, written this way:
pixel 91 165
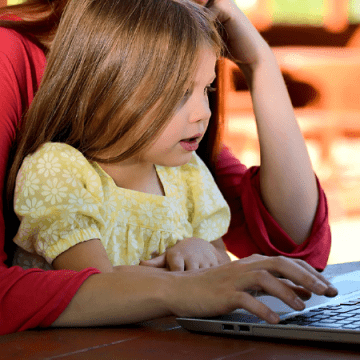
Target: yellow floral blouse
pixel 63 199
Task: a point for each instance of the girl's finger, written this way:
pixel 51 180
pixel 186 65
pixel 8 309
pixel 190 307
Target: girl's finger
pixel 175 262
pixel 158 262
pixel 208 264
pixel 191 264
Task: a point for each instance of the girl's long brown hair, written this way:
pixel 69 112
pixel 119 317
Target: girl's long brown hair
pixel 117 70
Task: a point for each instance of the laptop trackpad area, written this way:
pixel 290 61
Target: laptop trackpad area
pixel 346 284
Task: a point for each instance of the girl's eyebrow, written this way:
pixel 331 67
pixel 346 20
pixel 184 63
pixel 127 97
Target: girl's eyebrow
pixel 211 79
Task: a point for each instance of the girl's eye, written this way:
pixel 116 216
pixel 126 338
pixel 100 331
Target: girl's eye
pixel 209 89
pixel 187 94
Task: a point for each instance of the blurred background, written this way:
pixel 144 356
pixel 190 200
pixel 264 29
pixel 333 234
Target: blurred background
pixel 317 44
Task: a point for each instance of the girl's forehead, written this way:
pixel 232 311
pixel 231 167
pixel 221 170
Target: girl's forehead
pixel 205 67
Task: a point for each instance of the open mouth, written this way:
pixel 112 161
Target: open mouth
pixel 192 139
pixel 190 144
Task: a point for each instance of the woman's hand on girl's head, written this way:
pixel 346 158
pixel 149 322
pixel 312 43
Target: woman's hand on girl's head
pixel 215 291
pixel 191 254
pixel 221 8
pixel 243 42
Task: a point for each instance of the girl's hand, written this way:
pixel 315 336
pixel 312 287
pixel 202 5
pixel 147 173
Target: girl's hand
pixel 191 254
pixel 225 288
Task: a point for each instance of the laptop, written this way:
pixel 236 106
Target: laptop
pixel 324 319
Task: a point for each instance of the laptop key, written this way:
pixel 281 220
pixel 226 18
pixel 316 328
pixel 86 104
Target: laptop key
pixel 351 326
pixel 327 321
pixel 324 325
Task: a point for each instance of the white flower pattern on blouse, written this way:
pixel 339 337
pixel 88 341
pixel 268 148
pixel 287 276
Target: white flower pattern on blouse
pixel 63 199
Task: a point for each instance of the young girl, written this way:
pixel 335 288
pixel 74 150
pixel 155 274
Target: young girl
pixel 137 293
pixel 110 175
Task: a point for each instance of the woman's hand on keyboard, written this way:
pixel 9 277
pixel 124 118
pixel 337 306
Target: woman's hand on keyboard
pixel 225 288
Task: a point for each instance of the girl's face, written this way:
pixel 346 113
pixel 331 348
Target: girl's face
pixel 181 137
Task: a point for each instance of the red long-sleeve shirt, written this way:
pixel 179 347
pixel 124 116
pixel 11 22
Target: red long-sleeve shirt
pixel 31 298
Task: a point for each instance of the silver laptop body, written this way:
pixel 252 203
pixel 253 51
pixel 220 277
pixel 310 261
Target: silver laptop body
pixel 295 324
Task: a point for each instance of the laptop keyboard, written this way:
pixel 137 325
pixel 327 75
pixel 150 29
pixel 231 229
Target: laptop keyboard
pixel 342 316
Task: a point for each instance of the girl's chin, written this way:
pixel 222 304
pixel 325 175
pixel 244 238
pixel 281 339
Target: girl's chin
pixel 180 160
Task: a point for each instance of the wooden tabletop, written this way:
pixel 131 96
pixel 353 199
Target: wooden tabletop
pixel 165 339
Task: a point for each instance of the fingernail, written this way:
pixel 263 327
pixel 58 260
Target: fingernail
pixel 332 291
pixel 299 304
pixel 274 318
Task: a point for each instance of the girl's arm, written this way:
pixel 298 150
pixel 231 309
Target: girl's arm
pixel 86 254
pixel 188 254
pixel 287 181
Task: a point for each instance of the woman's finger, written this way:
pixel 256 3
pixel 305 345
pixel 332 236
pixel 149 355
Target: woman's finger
pixel 256 307
pixel 292 270
pixel 302 293
pixel 263 280
pixel 332 290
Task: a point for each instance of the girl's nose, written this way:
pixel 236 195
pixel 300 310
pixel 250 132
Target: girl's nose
pixel 201 111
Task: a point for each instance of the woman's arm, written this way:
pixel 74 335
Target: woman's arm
pixel 136 293
pixel 287 181
pixel 127 294
pixel 255 226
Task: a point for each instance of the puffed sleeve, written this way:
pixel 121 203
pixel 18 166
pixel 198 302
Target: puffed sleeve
pixel 253 230
pixel 208 210
pixel 58 199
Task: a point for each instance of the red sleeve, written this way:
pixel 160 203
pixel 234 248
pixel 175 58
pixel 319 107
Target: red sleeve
pixel 28 298
pixel 34 297
pixel 21 67
pixel 253 229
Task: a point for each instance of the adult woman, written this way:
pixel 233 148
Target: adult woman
pixel 22 62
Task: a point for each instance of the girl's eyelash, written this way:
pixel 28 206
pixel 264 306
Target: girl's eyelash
pixel 210 89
